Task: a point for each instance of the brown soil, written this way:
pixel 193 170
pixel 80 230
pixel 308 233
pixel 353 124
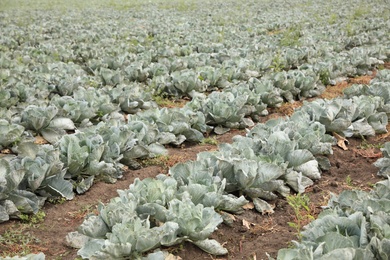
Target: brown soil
pixel 350 169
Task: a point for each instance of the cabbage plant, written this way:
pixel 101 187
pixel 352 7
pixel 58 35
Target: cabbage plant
pixel 13 200
pixel 354 226
pixel 223 110
pixel 44 171
pixel 82 156
pixel 11 133
pixel 174 125
pixel 384 163
pixel 144 217
pixel 196 180
pixel 43 120
pixel 39 256
pixel 79 111
pixel 358 116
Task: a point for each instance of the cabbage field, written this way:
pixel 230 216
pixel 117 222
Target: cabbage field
pixel 82 94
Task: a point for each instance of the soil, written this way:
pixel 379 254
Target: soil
pixel 252 234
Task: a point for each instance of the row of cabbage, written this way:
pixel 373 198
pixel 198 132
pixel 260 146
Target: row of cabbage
pixel 101 150
pixel 166 54
pixel 200 53
pixel 52 98
pixel 52 91
pixel 275 157
pixel 354 225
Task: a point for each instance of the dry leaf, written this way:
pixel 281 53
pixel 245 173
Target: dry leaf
pixel 172 257
pixel 6 151
pixel 246 224
pixel 368 153
pixel 249 205
pixel 228 218
pixel 231 216
pixel 40 140
pixel 341 141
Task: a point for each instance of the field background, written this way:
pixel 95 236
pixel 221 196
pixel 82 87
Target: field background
pixel 185 71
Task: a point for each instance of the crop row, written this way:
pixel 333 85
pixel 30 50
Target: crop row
pixel 93 101
pixel 273 158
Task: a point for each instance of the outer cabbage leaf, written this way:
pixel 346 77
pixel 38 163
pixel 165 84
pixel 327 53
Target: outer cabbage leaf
pixel 38 118
pixel 39 256
pixel 195 222
pixel 10 133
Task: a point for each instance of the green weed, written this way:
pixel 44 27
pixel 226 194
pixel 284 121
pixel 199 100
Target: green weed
pixel 18 242
pixel 83 211
pixel 37 218
pixel 333 19
pixel 162 101
pixel 210 140
pixel 325 77
pixel 364 145
pixel 359 12
pixel 161 160
pixel 350 29
pixel 57 200
pixel 277 63
pixel 302 212
pixel 291 37
pixel 348 180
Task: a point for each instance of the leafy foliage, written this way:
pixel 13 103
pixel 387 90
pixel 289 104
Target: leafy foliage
pixel 354 226
pixel 87 87
pixel 154 216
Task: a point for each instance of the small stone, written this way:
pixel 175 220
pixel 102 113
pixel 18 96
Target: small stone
pixel 338 164
pixel 242 229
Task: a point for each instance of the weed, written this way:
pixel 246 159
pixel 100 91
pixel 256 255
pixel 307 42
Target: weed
pixel 37 218
pixel 302 212
pixel 180 5
pixel 161 160
pixel 291 37
pixel 177 249
pixel 210 140
pixel 350 29
pixel 277 63
pixel 18 242
pixel 82 212
pixel 100 113
pixel 359 12
pixel 164 161
pixel 166 102
pixel 221 36
pixel 57 200
pixel 93 83
pixel 16 142
pixel 333 19
pixel 325 77
pixel 364 145
pixel 183 6
pixel 348 180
